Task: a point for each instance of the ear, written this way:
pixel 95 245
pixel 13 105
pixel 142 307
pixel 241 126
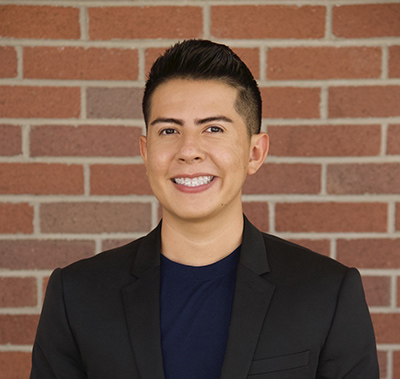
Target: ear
pixel 258 152
pixel 143 148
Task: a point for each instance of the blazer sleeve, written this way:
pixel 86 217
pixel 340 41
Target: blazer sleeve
pixel 350 348
pixel 55 351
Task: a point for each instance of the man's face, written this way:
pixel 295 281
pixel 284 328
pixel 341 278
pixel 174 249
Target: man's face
pixel 197 151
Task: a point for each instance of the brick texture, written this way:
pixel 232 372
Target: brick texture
pixel 95 217
pixel 72 182
pixel 363 178
pixel 394 61
pixel 18 329
pixel 269 21
pixel 14 365
pixel 393 139
pixel 16 218
pixel 290 102
pixel 366 101
pixel 11 140
pixel 114 103
pixel 40 178
pixel 119 180
pixel 331 217
pixel 84 140
pixel 377 290
pixel 46 102
pixel 285 178
pixel 145 22
pixel 324 140
pixel 386 327
pixel 323 63
pixel 366 20
pixel 369 253
pixel 18 292
pixel 80 63
pixel 41 22
pixel 8 59
pixel 42 254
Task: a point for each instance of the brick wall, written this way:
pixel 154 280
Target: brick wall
pixel 71 178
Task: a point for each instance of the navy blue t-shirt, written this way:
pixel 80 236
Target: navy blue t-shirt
pixel 196 306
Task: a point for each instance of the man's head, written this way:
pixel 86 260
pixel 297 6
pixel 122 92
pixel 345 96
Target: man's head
pixel 206 60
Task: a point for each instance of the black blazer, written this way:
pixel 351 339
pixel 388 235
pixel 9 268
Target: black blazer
pixel 296 314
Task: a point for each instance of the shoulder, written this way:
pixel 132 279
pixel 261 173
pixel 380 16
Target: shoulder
pixel 290 262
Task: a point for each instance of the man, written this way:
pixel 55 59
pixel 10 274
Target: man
pixel 205 295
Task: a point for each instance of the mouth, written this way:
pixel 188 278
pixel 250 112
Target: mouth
pixel 194 182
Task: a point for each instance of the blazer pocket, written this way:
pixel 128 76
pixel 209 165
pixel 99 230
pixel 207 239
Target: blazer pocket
pixel 285 362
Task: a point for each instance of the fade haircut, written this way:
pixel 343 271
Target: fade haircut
pixel 206 60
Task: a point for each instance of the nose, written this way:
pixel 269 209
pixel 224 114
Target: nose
pixel 190 150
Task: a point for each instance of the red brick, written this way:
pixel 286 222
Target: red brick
pixel 366 20
pixel 85 140
pixel 41 178
pixel 386 326
pixel 258 214
pixel 14 364
pixel 250 56
pixel 123 103
pixel 16 218
pixel 331 217
pixel 290 102
pixel 323 63
pixel 46 102
pixel 363 178
pixel 396 364
pixel 393 139
pixel 18 292
pixel 181 22
pixel 95 217
pixel 42 22
pixel 8 59
pixel 113 243
pixel 394 62
pixel 18 329
pixel 377 290
pixel 80 63
pixel 319 246
pixel 369 253
pixel 398 216
pixel 11 140
pixel 398 291
pixel 324 140
pixel 42 254
pixel 111 179
pixel 267 21
pixel 366 101
pixel 383 363
pixel 285 178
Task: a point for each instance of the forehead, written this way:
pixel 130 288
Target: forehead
pixel 187 95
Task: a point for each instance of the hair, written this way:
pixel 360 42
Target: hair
pixel 205 60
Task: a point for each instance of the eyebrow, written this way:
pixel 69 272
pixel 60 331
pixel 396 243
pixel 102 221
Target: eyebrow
pixel 170 120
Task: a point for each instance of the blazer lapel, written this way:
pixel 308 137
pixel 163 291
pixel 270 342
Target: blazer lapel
pixel 142 308
pixel 253 295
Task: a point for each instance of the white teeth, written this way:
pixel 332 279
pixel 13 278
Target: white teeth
pixel 195 182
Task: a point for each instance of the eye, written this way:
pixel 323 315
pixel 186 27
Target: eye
pixel 214 129
pixel 167 131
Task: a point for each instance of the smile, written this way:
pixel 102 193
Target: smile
pixel 194 182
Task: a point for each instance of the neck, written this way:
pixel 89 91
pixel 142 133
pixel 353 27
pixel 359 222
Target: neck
pixel 199 243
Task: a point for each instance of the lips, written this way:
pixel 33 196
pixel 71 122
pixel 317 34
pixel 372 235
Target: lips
pixel 193 182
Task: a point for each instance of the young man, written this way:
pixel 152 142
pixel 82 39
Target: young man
pixel 205 295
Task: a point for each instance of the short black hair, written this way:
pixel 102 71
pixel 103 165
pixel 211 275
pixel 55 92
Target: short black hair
pixel 198 59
